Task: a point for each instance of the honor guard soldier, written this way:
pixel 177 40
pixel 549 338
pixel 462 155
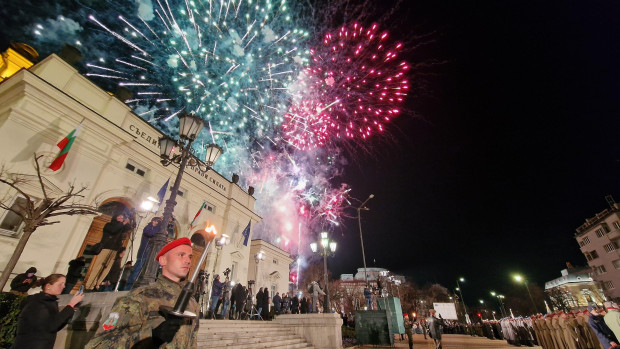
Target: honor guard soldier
pixel 136 320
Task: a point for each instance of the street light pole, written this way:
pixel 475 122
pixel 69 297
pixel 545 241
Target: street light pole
pixel 359 222
pixel 458 288
pixel 329 247
pixel 520 278
pixel 190 126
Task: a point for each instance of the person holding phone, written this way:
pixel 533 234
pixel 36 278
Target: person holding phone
pixel 40 318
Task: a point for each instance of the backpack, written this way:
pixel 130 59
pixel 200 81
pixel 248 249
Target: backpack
pixel 311 288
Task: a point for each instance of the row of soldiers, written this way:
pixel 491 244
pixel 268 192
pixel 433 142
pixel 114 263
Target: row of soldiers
pixel 586 329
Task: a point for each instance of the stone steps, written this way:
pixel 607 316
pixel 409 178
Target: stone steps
pixel 239 334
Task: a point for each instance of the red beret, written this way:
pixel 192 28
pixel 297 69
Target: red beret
pixel 173 244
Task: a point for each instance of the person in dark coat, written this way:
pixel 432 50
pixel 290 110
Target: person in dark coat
pixel 601 330
pixel 216 293
pixel 295 305
pixel 264 305
pixel 259 301
pixel 114 233
pixel 40 320
pixel 74 273
pixel 235 301
pixel 286 304
pixel 277 303
pixel 24 282
pixel 147 233
pixel 304 305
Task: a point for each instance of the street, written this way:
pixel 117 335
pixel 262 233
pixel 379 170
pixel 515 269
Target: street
pixel 452 341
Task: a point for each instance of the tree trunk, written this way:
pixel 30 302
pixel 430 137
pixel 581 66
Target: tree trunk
pixel 23 240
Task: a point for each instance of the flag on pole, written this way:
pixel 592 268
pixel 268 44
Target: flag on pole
pixel 64 145
pixel 246 234
pixel 162 192
pixel 191 225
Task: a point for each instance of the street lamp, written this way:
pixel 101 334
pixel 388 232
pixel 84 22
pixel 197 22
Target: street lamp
pixel 458 288
pixel 501 302
pixel 190 126
pixel 329 248
pixel 359 222
pixel 518 278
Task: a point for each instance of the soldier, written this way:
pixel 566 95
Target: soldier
pixel 409 331
pixel 135 320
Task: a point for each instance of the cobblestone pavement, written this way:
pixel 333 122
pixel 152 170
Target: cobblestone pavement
pixel 452 341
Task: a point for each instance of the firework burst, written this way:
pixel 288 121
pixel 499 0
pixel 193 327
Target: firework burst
pixel 356 83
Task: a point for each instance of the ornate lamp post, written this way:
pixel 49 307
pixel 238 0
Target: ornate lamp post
pixel 329 248
pixel 258 257
pixel 359 222
pixel 190 126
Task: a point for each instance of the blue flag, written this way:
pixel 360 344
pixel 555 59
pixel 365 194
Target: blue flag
pixel 246 234
pixel 162 192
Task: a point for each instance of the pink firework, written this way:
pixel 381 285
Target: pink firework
pixel 356 74
pixel 306 125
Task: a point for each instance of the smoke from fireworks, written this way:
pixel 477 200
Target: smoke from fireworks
pixel 281 109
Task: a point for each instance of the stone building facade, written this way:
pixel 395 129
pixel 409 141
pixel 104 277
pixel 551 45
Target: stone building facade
pixel 598 240
pixel 116 155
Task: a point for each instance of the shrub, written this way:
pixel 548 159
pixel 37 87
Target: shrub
pixel 9 311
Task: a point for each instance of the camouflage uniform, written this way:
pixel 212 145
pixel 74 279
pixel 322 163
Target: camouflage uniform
pixel 134 316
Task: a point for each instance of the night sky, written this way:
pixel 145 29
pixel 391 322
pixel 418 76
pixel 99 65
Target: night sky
pixel 515 147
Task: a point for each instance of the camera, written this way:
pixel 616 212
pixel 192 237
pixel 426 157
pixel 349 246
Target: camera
pixel 227 272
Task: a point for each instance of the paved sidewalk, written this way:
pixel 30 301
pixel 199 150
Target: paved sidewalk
pixel 452 341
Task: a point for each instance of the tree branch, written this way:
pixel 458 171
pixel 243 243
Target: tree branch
pixel 36 162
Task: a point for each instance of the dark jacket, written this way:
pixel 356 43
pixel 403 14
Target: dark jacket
pixel 295 303
pixel 602 331
pixel 39 321
pixel 113 235
pixel 149 231
pixel 18 283
pixel 74 273
pixel 265 300
pixel 303 305
pixel 217 288
pixel 277 302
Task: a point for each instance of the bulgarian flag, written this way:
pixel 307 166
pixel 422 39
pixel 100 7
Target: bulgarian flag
pixel 191 225
pixel 64 145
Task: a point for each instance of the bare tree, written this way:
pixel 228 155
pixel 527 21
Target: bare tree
pixel 35 215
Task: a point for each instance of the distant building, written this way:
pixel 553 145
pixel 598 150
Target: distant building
pixel 574 290
pixel 353 285
pixel 598 240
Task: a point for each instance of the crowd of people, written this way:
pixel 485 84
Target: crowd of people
pixel 236 301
